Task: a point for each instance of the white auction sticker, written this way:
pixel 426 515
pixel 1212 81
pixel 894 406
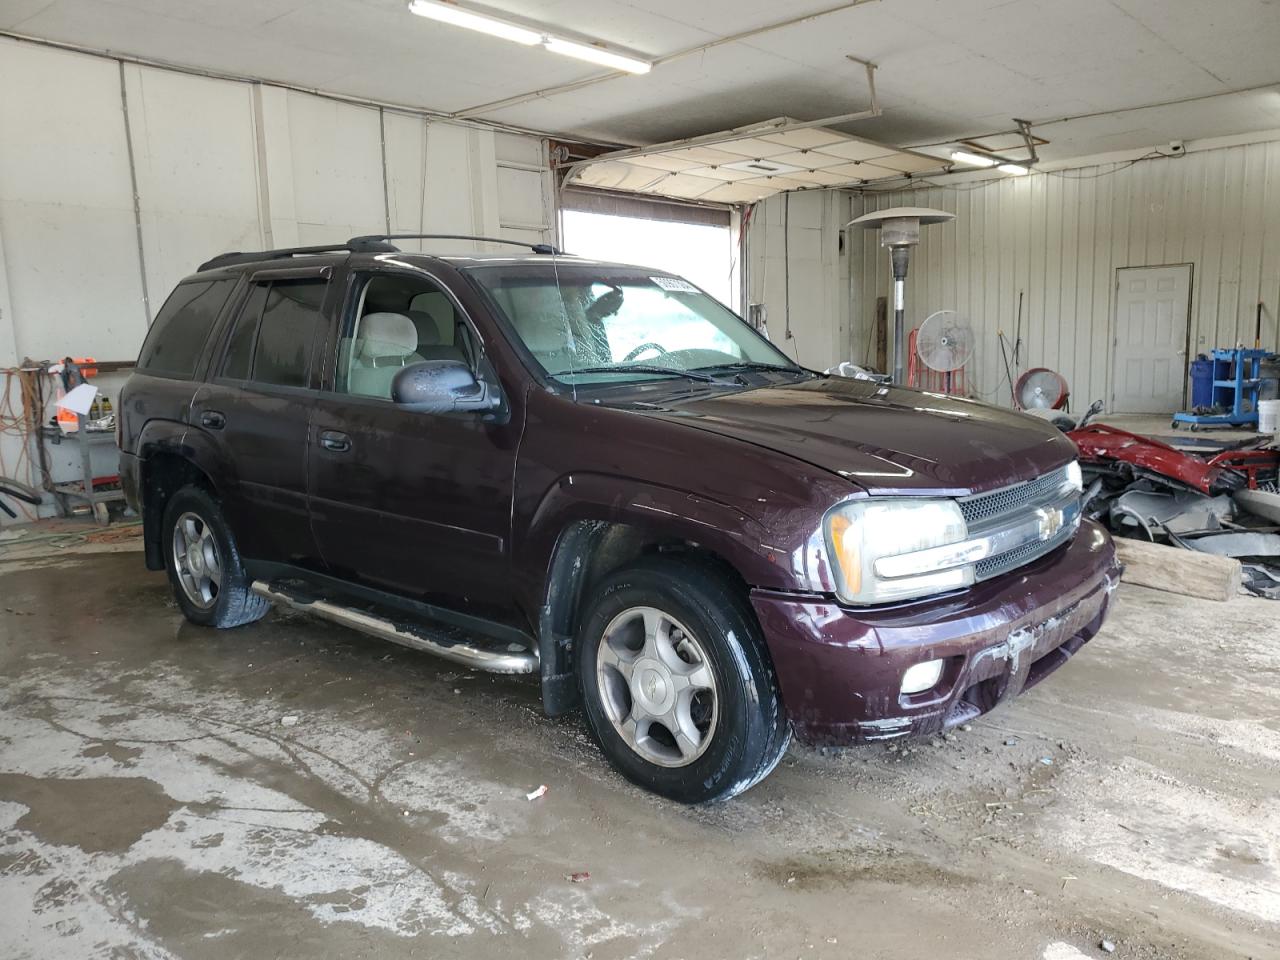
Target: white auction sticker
pixel 674 285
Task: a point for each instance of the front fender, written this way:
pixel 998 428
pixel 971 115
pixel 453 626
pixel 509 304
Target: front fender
pixel 663 512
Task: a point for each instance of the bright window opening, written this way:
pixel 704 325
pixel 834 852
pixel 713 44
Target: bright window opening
pixel 704 255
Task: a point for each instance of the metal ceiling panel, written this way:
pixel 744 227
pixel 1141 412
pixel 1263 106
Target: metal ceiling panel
pixel 742 166
pixel 754 147
pixel 806 139
pixel 809 159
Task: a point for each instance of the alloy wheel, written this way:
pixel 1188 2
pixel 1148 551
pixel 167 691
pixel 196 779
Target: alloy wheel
pixel 657 686
pixel 196 560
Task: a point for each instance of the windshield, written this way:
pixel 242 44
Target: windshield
pixel 608 325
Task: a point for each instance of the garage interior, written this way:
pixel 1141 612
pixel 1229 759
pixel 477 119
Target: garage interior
pixel 1105 175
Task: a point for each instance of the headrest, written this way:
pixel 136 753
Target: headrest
pixel 428 329
pixel 386 335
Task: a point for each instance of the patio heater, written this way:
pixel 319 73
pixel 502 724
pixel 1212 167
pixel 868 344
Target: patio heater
pixel 900 231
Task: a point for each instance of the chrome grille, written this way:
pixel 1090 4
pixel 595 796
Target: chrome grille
pixel 1017 557
pixel 989 512
pixel 983 507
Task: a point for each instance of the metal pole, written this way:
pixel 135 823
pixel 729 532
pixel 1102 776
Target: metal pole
pixel 898 258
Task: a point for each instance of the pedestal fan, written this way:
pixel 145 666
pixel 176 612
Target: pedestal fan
pixel 944 345
pixel 1041 389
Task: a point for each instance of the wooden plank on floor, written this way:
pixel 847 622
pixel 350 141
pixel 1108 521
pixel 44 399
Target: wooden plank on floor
pixel 1175 570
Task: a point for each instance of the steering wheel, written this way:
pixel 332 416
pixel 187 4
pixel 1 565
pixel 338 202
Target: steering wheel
pixel 650 345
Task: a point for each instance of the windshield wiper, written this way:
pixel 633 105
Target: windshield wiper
pixel 751 365
pixel 641 368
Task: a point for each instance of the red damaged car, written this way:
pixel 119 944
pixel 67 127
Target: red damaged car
pixel 598 474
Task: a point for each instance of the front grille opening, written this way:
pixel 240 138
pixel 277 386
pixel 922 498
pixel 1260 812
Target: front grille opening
pixel 979 509
pixel 986 512
pixel 1003 563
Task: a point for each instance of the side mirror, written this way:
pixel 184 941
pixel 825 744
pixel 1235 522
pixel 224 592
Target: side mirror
pixel 440 386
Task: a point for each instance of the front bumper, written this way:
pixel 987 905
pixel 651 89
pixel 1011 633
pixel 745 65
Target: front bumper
pixel 840 670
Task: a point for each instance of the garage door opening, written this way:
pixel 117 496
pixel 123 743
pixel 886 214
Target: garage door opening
pixel 695 242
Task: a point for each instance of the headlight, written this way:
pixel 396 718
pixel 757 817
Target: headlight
pixel 1074 476
pixel 864 536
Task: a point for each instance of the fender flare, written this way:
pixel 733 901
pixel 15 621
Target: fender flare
pixel 172 437
pixel 570 521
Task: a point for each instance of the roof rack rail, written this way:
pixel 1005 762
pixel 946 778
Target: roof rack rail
pixel 372 243
pixel 254 256
pixel 543 248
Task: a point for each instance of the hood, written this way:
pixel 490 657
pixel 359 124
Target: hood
pixel 885 439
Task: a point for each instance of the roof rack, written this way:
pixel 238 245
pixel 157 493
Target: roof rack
pixel 283 253
pixel 543 248
pixel 373 243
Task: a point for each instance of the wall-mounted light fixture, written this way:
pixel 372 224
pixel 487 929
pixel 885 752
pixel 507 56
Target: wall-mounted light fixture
pixel 593 52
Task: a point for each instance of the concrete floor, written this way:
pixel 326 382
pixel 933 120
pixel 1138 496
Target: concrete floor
pixel 155 803
pixel 1151 425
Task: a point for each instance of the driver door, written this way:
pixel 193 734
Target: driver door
pixel 412 503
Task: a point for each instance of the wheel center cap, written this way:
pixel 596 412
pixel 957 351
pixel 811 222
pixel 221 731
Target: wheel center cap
pixel 195 561
pixel 651 686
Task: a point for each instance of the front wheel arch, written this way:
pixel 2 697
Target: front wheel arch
pixel 585 553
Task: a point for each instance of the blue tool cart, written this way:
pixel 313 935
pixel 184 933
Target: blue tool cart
pixel 1235 390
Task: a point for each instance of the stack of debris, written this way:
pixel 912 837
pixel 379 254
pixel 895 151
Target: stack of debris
pixel 1224 501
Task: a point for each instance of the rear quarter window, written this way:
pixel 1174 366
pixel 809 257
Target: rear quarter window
pixel 182 327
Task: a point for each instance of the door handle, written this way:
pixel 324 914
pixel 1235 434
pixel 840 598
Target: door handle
pixel 213 419
pixel 337 442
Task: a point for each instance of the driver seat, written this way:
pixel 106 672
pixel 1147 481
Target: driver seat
pixel 384 343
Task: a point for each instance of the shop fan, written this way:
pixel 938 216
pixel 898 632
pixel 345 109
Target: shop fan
pixel 944 346
pixel 1041 389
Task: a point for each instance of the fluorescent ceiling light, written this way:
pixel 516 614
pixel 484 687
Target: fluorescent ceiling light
pixel 972 159
pixel 585 51
pixel 451 13
pixel 1017 169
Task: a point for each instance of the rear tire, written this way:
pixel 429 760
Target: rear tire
pixel 676 684
pixel 204 566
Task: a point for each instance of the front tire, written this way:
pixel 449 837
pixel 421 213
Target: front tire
pixel 676 684
pixel 205 571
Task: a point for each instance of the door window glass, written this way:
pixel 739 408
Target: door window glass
pixel 290 320
pixel 239 359
pixel 398 321
pixel 274 335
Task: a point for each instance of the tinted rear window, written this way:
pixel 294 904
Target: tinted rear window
pixel 275 332
pixel 178 335
pixel 290 320
pixel 239 359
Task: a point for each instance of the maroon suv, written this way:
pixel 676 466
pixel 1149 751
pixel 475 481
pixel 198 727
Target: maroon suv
pixel 597 473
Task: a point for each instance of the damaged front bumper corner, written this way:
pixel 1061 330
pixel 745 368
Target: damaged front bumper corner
pixel 841 669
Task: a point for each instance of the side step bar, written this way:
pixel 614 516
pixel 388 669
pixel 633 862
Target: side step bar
pixel 510 660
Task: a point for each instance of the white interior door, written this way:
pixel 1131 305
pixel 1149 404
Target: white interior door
pixel 1152 308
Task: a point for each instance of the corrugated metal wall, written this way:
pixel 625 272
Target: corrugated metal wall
pixel 1057 238
pixel 117 180
pixel 212 165
pixel 797 271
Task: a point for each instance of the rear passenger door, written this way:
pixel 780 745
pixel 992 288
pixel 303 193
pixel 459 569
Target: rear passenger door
pixel 257 407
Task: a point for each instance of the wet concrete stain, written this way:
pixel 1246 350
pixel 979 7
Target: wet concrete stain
pixel 847 868
pixel 394 810
pixel 97 814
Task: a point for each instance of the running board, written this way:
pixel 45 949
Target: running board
pixel 417 637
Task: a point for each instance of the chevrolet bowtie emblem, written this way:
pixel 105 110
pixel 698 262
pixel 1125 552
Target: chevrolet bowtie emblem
pixel 1049 521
